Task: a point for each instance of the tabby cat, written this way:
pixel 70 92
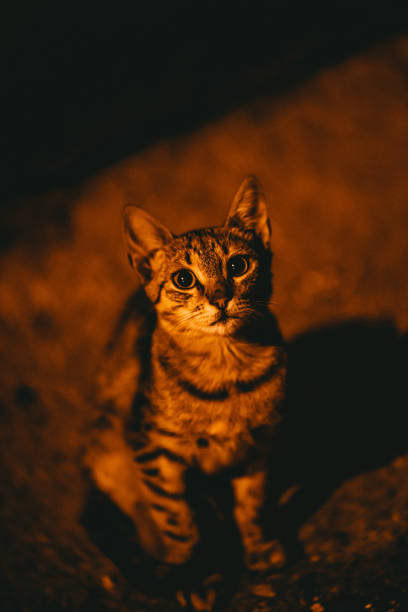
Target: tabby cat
pixel 209 386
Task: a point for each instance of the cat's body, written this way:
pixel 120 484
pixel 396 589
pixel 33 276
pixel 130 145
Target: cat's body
pixel 211 380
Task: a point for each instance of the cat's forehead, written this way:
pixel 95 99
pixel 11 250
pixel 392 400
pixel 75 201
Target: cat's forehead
pixel 205 247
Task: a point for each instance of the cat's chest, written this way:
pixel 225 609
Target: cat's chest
pixel 221 391
pixel 228 406
pixel 213 435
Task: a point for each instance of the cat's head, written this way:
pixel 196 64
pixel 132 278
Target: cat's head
pixel 213 280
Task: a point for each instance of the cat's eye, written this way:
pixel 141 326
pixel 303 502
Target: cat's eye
pixel 237 265
pixel 184 279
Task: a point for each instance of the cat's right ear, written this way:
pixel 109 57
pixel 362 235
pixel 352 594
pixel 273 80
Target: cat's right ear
pixel 248 210
pixel 143 234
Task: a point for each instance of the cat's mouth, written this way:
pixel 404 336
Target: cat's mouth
pixel 225 325
pixel 224 319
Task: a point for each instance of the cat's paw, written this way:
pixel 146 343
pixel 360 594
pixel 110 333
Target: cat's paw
pixel 202 598
pixel 268 556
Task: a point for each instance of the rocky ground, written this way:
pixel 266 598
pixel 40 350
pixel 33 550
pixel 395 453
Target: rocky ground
pixel 332 158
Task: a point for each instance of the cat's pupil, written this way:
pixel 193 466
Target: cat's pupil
pixel 237 265
pixel 184 279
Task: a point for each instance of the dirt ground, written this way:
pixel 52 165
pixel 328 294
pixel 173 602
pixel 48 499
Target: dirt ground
pixel 332 157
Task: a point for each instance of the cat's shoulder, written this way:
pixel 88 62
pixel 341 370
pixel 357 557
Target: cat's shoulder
pixel 125 352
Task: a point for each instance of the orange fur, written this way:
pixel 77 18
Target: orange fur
pixel 216 375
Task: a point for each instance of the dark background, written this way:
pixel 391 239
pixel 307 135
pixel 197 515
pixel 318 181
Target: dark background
pixel 85 83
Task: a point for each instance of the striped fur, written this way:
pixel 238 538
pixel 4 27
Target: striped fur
pixel 212 375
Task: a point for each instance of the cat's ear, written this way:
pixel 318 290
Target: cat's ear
pixel 143 234
pixel 249 212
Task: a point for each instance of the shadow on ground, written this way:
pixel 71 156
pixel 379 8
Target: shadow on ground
pixel 346 406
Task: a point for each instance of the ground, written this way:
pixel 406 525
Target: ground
pixel 332 158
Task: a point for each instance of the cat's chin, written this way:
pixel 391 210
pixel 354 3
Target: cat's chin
pixel 222 328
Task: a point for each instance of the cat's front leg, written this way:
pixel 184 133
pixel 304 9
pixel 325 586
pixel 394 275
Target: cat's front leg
pixel 261 554
pixel 176 533
pixel 163 486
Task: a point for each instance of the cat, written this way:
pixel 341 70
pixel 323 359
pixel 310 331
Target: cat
pixel 201 386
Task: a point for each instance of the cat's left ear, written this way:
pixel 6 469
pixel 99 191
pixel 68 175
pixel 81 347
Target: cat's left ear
pixel 249 212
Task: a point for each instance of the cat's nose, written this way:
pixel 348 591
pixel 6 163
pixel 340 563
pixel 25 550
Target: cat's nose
pixel 221 302
pixel 220 295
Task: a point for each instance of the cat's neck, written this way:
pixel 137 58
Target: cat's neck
pixel 220 357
